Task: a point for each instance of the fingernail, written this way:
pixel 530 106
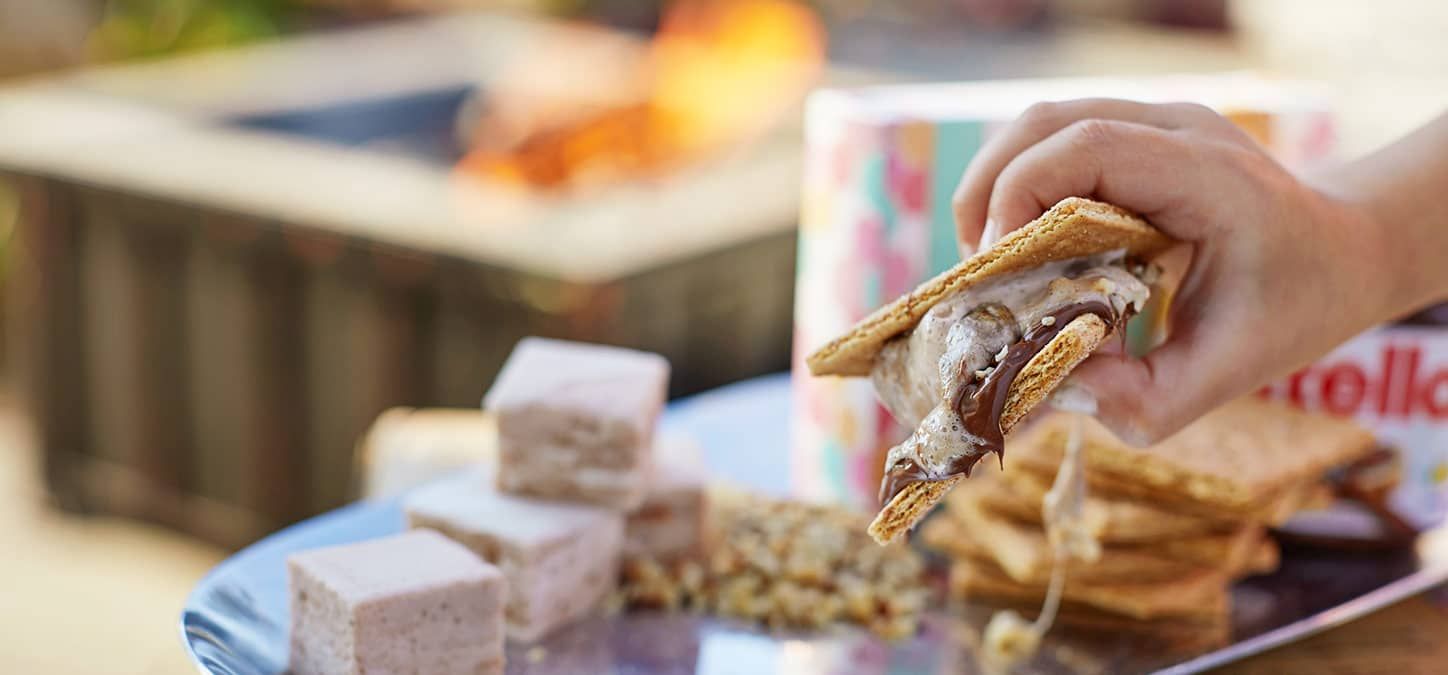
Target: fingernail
pixel 1072 397
pixel 989 235
pixel 1133 434
pixel 966 250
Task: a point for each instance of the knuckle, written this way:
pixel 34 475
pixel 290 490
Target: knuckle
pixel 1136 423
pixel 1191 111
pixel 1009 179
pixel 1249 158
pixel 1260 170
pixel 1200 119
pixel 1093 132
pixel 1041 115
pixel 959 198
pixel 1150 429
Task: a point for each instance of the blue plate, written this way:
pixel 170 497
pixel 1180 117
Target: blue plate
pixel 235 621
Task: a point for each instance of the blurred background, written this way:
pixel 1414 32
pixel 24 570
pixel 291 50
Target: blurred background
pixel 235 231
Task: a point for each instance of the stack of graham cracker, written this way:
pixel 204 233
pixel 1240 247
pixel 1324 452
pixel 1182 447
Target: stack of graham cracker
pixel 1178 521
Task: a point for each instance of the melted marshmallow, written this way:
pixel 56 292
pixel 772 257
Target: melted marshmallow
pixel 918 376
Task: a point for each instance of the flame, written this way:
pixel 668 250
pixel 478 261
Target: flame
pixel 726 68
pixel 718 72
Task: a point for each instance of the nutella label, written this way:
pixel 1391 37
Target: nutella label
pixel 1393 380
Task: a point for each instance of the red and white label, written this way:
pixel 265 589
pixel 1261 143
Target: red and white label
pixel 1393 380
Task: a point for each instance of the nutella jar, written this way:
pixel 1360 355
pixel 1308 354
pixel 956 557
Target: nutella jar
pixel 1393 380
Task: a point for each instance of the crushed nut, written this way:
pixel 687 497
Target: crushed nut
pixel 1001 355
pixel 786 565
pixel 1048 321
pixel 895 628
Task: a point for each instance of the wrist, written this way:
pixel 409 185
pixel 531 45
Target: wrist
pixel 1397 265
pixel 1394 199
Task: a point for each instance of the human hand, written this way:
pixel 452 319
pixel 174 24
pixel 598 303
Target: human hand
pixel 1280 272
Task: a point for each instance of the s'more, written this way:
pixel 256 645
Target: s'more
pixel 965 356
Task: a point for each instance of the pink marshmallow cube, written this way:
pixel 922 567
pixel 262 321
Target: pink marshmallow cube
pixel 410 603
pixel 576 421
pixel 560 559
pixel 670 522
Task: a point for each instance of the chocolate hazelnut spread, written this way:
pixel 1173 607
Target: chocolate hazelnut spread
pixel 979 406
pixel 950 377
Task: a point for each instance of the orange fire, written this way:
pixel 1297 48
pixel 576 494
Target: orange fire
pixel 718 72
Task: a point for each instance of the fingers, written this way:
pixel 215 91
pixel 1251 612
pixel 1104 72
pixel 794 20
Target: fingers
pixel 1198 368
pixel 1153 160
pixel 1138 167
pixel 1145 400
pixel 1040 121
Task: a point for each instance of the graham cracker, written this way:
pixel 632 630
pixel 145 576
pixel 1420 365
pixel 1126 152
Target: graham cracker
pixel 1201 596
pixel 1237 460
pixel 1023 550
pixel 1073 228
pixel 1120 522
pixel 1170 635
pixel 1271 510
pixel 1026 557
pixel 1033 384
pixel 1107 518
pixel 1025 554
pixel 908 507
pixel 1247 551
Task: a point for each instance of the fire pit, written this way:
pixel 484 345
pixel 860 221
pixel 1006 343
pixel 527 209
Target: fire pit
pixel 229 264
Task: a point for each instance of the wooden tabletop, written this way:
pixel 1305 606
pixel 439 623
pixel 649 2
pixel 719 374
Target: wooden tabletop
pixel 1409 637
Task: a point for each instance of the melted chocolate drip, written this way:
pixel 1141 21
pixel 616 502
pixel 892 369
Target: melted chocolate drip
pixel 980 406
pixel 904 473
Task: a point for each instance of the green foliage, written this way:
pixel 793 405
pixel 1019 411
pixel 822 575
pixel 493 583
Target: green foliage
pixel 141 28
